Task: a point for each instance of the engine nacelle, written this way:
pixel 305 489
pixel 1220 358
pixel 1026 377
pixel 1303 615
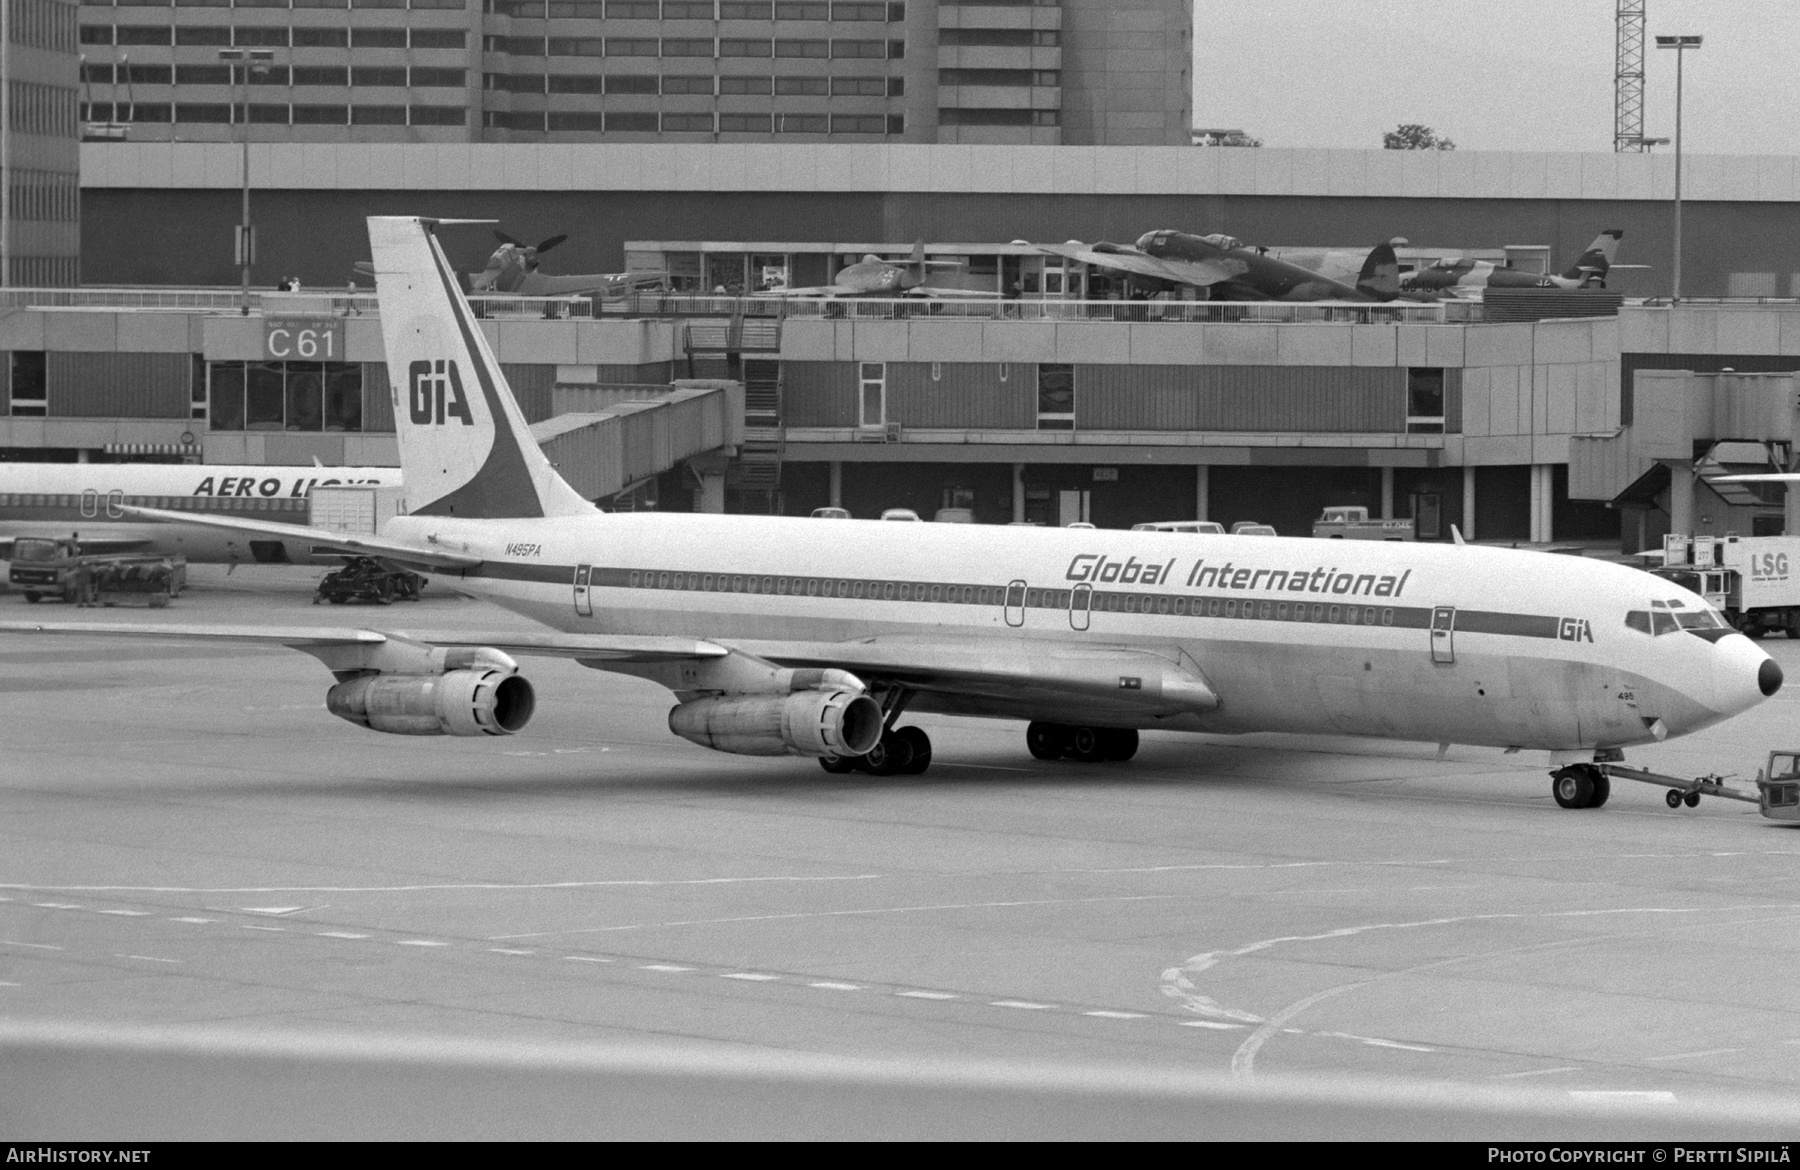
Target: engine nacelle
pixel 832 722
pixel 483 701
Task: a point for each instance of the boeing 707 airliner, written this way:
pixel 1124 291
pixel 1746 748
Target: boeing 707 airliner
pixel 787 636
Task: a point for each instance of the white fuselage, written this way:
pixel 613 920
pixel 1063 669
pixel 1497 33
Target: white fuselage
pixel 58 499
pixel 1296 635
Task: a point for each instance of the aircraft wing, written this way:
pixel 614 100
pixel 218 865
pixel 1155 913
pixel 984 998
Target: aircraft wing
pixel 349 543
pixel 1757 477
pixel 614 284
pixel 1011 671
pixel 817 290
pixel 1200 273
pixel 932 290
pixel 611 648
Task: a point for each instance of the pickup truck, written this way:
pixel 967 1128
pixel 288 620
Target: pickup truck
pixel 1353 523
pixel 54 567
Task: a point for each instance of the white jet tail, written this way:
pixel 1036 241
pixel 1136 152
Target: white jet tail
pixel 464 444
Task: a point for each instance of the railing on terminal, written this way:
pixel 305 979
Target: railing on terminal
pixel 345 303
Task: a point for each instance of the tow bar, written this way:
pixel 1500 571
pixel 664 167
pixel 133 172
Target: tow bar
pixel 1777 791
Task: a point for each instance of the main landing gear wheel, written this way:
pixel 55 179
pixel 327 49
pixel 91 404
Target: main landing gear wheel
pixel 1089 745
pixel 920 743
pixel 1672 798
pixel 1046 740
pixel 1692 800
pixel 1122 744
pixel 838 765
pixel 1602 790
pixel 1573 786
pixel 891 755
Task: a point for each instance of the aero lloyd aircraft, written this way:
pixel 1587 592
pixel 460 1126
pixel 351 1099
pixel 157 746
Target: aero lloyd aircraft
pixel 788 636
pixel 88 501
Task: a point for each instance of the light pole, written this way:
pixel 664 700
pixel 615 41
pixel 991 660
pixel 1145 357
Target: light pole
pixel 242 61
pixel 1681 44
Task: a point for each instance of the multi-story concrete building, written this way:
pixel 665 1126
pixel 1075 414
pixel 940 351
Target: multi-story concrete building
pixel 1021 71
pixel 40 218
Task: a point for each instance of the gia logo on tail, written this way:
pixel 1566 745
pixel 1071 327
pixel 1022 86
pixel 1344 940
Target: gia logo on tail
pixel 436 393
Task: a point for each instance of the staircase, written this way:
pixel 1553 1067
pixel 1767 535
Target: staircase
pixel 755 474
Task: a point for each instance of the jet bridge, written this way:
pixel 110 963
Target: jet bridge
pixel 610 439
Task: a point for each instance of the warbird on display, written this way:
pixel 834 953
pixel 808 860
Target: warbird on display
pixel 1231 270
pixel 512 270
pixel 1462 277
pixel 874 277
pixel 780 636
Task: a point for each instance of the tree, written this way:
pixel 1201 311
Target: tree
pixel 1415 136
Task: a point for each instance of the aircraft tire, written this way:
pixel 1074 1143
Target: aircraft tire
pixel 1692 800
pixel 889 756
pixel 1673 798
pixel 838 765
pixel 921 749
pixel 1572 787
pixel 1046 740
pixel 1122 744
pixel 34 597
pixel 1602 790
pixel 1089 744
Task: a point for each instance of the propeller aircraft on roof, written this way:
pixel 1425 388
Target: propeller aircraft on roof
pixel 777 638
pixel 513 270
pixel 1458 276
pixel 874 277
pixel 1231 270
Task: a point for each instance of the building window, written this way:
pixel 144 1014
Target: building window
pixel 378 115
pixel 801 86
pixel 862 11
pixel 202 35
pixel 875 50
pixel 263 36
pixel 439 78
pixel 437 115
pixel 631 10
pixel 745 10
pixel 575 83
pixel 871 397
pixel 378 75
pixel 687 47
pixel 631 121
pixel 632 47
pixel 147 74
pixel 202 112
pixel 756 85
pixel 270 115
pixel 682 84
pixel 377 38
pixel 800 124
pixel 30 396
pixel 576 120
pixel 143 34
pixel 687 10
pixel 745 123
pixel 859 87
pixel 428 38
pixel 858 124
pixel 321 38
pixel 687 123
pixel 321 115
pixel 802 10
pixel 282 396
pixel 743 48
pixel 336 75
pixel 784 48
pixel 1056 397
pixel 193 74
pixel 630 83
pixel 1424 401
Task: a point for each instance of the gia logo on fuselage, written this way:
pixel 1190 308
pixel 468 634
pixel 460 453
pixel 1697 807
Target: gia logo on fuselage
pixel 435 393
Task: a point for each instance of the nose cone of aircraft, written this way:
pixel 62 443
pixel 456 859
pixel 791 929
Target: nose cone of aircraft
pixel 1743 675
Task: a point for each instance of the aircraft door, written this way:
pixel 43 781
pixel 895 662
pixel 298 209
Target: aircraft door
pixel 1443 634
pixel 584 605
pixel 114 499
pixel 1015 603
pixel 90 503
pixel 1081 600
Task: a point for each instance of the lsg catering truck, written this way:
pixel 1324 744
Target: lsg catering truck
pixel 1755 580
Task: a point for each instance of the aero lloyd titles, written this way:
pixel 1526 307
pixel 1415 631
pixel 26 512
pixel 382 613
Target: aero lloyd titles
pixel 1102 570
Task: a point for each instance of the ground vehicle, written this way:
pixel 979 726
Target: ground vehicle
pixel 831 514
pixel 1252 528
pixel 1353 523
pixel 954 516
pixel 900 514
pixel 1754 580
pixel 54 567
pixel 367 579
pixel 1209 527
pixel 1078 524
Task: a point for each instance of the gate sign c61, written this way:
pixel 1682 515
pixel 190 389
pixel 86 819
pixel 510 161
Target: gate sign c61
pixel 316 339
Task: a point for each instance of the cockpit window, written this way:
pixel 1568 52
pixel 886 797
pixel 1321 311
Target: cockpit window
pixel 1638 620
pixel 1702 619
pixel 1663 622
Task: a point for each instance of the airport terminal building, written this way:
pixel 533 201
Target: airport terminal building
pixel 1050 405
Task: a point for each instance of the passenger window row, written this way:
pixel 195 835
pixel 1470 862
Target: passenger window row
pixel 1108 602
pixel 178 503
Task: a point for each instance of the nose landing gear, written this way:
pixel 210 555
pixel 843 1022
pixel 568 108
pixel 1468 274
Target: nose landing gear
pixel 1580 786
pixel 1089 745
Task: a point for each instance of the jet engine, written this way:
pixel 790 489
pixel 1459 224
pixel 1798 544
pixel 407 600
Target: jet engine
pixel 480 701
pixel 826 722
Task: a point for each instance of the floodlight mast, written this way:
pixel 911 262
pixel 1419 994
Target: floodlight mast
pixel 1681 44
pixel 243 61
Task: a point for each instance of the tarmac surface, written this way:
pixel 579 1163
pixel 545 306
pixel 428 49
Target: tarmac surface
pixel 187 838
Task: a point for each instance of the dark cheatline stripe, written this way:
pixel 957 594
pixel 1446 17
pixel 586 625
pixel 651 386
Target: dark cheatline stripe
pixel 69 508
pixel 1209 606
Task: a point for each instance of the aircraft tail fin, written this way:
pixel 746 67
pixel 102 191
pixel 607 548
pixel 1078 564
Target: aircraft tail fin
pixel 1380 276
pixel 1594 263
pixel 464 444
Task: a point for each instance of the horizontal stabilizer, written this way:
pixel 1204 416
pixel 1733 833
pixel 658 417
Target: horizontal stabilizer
pixel 345 542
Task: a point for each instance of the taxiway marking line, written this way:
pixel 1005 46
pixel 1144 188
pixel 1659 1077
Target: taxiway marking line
pixel 926 995
pixel 587 959
pixel 151 959
pixel 128 913
pixel 1022 1005
pixel 1622 1094
pixel 667 968
pixel 827 985
pixel 508 951
pixel 449 886
pixel 195 921
pixel 1693 1055
pixel 338 934
pixel 253 926
pixel 56 906
pixel 34 946
pixel 1216 1025
pixel 420 942
pixel 843 914
pixel 751 977
pixel 1105 1015
pixel 1538 1072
